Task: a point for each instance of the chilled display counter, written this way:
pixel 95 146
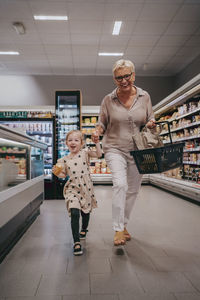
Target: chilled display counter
pixel 21 184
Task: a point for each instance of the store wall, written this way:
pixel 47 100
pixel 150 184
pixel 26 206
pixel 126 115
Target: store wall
pixel 157 87
pixel 40 90
pixel 188 73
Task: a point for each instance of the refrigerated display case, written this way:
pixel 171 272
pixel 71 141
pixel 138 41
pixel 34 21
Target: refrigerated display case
pixel 14 166
pixel 182 110
pixel 21 185
pixel 67 118
pixel 41 129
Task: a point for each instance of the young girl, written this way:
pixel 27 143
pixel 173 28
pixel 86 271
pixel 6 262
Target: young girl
pixel 78 190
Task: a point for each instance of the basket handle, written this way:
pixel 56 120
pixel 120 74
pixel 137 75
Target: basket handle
pixel 159 122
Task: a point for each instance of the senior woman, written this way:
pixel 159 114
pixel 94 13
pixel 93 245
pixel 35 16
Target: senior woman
pixel 122 114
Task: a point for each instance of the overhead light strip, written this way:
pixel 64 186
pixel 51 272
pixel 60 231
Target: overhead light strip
pixel 110 54
pixel 9 53
pixel 116 28
pixel 51 18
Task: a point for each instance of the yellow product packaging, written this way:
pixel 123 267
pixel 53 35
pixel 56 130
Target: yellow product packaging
pixel 87 121
pixel 93 120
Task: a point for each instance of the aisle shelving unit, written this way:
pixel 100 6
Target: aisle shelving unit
pixel 99 171
pixel 182 110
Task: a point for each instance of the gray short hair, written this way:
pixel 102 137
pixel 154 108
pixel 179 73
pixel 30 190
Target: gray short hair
pixel 122 63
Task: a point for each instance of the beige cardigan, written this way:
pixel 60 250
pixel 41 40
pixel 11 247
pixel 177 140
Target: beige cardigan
pixel 120 123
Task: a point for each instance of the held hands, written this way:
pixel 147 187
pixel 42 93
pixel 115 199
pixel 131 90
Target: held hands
pixel 151 124
pixel 95 137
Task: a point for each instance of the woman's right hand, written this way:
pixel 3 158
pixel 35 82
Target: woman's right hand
pixel 151 124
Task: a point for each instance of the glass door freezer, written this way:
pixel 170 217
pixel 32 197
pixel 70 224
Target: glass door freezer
pixel 68 117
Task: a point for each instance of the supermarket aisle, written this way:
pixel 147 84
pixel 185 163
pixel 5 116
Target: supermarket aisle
pixel 161 262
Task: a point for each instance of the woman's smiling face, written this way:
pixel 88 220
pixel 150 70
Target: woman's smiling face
pixel 124 78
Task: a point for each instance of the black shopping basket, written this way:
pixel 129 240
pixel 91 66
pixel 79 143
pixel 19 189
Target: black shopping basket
pixel 161 159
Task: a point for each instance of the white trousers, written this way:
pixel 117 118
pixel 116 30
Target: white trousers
pixel 126 185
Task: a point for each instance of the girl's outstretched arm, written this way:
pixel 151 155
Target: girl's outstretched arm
pixel 97 152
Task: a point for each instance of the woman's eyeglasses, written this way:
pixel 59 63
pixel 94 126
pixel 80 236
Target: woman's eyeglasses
pixel 126 76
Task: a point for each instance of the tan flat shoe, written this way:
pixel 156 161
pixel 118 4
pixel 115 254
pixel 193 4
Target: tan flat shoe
pixel 127 235
pixel 119 238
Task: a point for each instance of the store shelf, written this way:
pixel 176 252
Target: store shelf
pixel 187 114
pixel 88 112
pixel 192 150
pixel 146 179
pixel 179 96
pixel 181 128
pixel 191 163
pixel 183 139
pixel 88 125
pixel 179 186
pixel 101 178
pixel 186 103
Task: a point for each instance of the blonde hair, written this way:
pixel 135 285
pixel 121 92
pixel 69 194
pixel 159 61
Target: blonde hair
pixel 75 131
pixel 122 63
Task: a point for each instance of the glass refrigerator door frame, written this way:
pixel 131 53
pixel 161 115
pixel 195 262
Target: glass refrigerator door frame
pixel 68 117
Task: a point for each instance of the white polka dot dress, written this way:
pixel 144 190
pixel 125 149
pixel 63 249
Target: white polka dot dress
pixel 78 190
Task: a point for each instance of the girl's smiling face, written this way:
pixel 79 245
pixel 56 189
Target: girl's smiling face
pixel 74 142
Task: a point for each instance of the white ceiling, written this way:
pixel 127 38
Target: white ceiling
pixel 163 34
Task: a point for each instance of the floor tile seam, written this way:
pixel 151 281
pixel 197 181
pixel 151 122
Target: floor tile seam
pixel 110 264
pixel 184 293
pixel 37 288
pixel 146 258
pixel 158 272
pixel 189 280
pixel 92 294
pixel 67 266
pixel 167 272
pixel 140 282
pixel 180 261
pixel 146 293
pixel 139 244
pixel 90 285
pixel 173 294
pixel 179 272
pixel 152 262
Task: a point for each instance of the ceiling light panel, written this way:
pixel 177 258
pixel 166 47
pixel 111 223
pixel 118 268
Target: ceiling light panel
pixel 110 53
pixel 51 18
pixel 9 53
pixel 116 28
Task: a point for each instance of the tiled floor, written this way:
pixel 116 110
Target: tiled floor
pixel 161 262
